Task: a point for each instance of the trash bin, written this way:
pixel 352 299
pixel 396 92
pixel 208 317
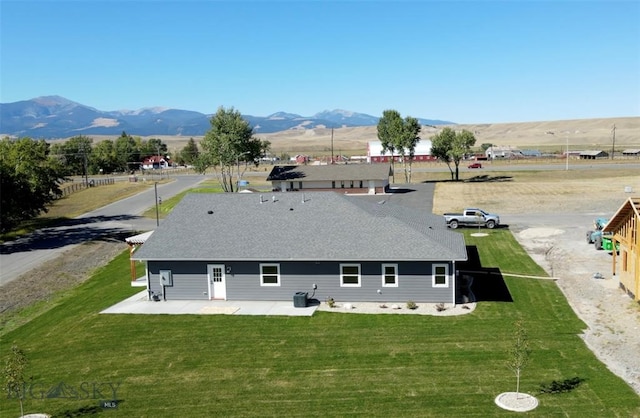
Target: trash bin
pixel 300 300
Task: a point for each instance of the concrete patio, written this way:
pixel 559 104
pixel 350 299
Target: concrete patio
pixel 139 304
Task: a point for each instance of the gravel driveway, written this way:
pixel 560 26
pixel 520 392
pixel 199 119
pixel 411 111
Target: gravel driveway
pixel 557 243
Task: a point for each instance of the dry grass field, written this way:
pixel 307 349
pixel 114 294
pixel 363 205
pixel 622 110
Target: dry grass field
pixel 540 192
pixel 548 136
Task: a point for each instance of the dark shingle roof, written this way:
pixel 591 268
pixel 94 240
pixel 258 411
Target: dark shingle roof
pixel 299 226
pixel 330 172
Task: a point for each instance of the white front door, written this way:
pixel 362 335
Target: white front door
pixel 217 286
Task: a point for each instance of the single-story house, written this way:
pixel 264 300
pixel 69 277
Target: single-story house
pixel 279 245
pixel 625 227
pixel 593 154
pixel 155 162
pixel 345 178
pixel 422 152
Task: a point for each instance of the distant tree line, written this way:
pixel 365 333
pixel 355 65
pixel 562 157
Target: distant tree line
pixel 126 153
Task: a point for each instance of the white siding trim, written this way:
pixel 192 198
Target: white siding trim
pixel 395 270
pixel 435 275
pixel 262 274
pixel 342 276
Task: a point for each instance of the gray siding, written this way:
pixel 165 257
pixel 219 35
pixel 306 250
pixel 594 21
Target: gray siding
pixel 243 282
pixel 189 280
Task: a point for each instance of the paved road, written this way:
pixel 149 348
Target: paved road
pixel 114 221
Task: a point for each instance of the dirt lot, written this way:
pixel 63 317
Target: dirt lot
pixel 548 217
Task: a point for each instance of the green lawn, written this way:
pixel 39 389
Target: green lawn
pixel 331 364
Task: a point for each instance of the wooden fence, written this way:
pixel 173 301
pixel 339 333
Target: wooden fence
pixel 76 187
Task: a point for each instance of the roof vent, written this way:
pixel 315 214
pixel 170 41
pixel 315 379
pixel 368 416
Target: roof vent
pixel 261 199
pixel 273 198
pixel 210 212
pixel 290 208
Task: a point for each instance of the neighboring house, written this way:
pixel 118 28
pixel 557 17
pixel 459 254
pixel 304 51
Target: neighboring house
pixel 236 246
pixel 345 178
pixel 625 227
pixel 155 162
pixel 593 154
pixel 421 153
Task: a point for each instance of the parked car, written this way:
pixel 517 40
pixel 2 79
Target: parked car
pixel 472 217
pixel 475 165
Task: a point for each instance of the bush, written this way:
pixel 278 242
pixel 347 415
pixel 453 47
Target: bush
pixel 331 303
pixel 411 305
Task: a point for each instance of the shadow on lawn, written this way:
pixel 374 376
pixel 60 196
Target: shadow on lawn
pixel 488 284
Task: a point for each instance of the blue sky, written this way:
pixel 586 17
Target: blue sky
pixel 466 62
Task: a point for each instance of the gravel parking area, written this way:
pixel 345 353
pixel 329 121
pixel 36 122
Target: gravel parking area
pixel 612 319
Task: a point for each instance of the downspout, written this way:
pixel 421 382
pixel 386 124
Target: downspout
pixel 146 273
pixel 453 279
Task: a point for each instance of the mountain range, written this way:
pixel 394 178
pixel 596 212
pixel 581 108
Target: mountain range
pixel 54 117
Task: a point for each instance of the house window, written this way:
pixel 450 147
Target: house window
pixel 350 275
pixel 389 275
pixel 269 274
pixel 440 275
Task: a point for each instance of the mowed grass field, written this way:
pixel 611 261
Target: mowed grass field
pixel 331 364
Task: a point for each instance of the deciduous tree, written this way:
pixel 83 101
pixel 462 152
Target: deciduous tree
pixel 14 374
pixel 519 355
pixel 127 153
pixel 29 180
pixel 75 154
pixel 401 136
pixel 227 146
pixel 451 147
pixel 103 157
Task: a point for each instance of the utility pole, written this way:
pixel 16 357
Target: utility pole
pixel 84 165
pixel 155 186
pixel 567 160
pixel 613 144
pixel 331 145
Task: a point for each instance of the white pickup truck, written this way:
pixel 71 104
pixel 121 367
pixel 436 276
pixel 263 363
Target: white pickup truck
pixel 472 217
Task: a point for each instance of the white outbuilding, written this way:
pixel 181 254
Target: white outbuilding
pixel 375 154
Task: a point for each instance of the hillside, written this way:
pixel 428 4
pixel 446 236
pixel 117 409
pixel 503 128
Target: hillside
pixel 549 135
pixel 545 135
